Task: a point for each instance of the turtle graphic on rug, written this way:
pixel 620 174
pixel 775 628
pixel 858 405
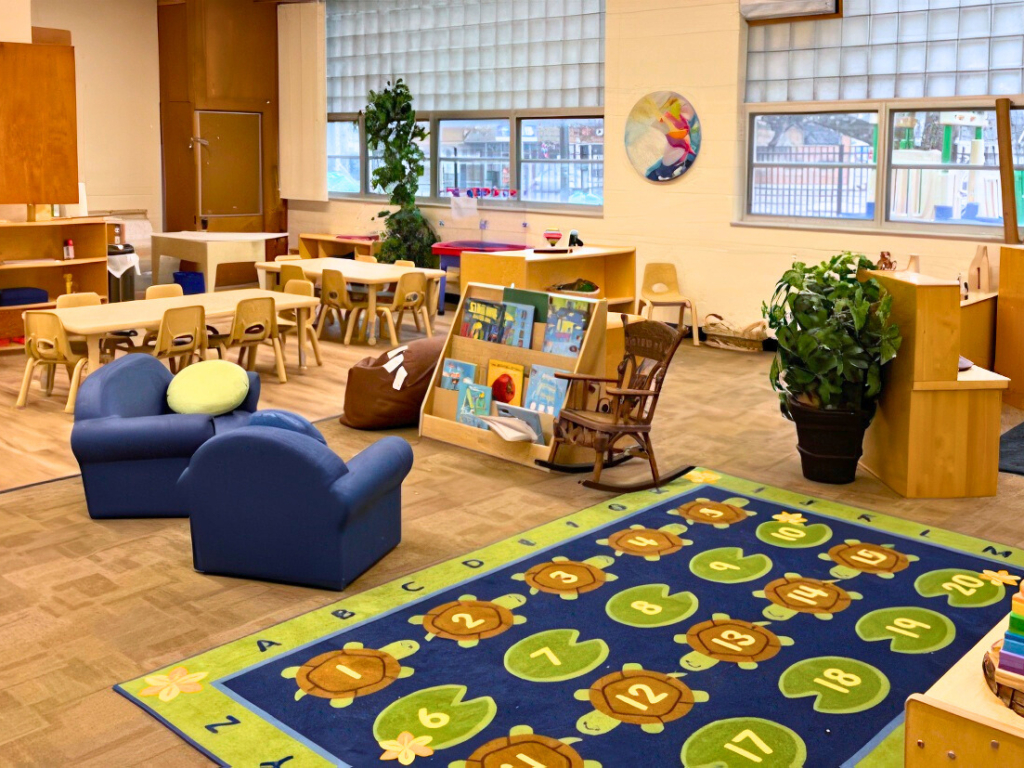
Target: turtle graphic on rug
pixel 524 747
pixel 854 557
pixel 344 675
pixel 637 696
pixel 733 640
pixel 468 620
pixel 649 543
pixel 720 514
pixel 793 594
pixel 567 578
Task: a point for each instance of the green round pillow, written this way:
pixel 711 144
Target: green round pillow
pixel 210 386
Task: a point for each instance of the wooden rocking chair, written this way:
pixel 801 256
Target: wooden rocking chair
pixel 623 410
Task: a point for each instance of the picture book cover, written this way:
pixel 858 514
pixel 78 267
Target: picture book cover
pixel 505 381
pixel 545 393
pixel 482 320
pixel 523 414
pixel 454 372
pixel 474 401
pixel 566 325
pixel 536 299
pixel 517 329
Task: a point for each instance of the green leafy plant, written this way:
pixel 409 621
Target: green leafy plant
pixel 391 128
pixel 834 334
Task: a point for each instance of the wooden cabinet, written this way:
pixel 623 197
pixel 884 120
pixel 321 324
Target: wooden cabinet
pixel 38 124
pixel 32 254
pixel 936 432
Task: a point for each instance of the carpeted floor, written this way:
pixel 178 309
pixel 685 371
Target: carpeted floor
pixel 634 626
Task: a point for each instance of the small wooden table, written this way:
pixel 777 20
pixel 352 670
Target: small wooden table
pixel 95 322
pixel 373 276
pixel 211 249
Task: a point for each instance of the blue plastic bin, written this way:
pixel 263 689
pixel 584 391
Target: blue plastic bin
pixel 190 282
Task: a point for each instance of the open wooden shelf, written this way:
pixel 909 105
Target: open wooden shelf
pixel 438 415
pixel 55 263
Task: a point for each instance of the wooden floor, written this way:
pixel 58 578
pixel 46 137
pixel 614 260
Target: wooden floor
pixel 85 604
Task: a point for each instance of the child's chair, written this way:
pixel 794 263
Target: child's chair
pixel 47 344
pixel 181 336
pixel 288 273
pixel 255 323
pixel 661 289
pixel 287 321
pixel 367 259
pixel 78 300
pixel 335 298
pixel 164 291
pixel 410 296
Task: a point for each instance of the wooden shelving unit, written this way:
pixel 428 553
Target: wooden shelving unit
pixel 30 242
pixel 324 246
pixel 439 408
pixel 612 269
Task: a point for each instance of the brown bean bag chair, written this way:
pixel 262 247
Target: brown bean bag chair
pixel 371 402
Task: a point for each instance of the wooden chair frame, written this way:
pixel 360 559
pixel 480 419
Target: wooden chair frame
pixel 623 408
pixel 287 321
pixel 47 345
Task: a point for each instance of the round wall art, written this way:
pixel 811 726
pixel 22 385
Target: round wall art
pixel 662 136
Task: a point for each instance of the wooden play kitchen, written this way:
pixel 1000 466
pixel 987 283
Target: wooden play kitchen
pixel 936 432
pixel 439 412
pixel 611 269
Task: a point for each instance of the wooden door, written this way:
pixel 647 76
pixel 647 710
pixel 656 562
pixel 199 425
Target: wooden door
pixel 228 149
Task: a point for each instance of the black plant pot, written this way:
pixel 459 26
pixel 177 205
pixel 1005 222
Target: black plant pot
pixel 830 442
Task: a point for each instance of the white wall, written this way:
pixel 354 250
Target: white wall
pixel 15 21
pixel 118 91
pixel 695 47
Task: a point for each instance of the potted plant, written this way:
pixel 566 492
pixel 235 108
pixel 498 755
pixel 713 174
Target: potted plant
pixel 391 128
pixel 834 336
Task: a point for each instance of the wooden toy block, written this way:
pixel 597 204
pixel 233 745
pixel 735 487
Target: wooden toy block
pixel 1018 604
pixel 1011 662
pixel 1016 624
pixel 1013 644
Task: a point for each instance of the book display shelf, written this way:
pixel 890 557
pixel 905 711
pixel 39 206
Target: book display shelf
pixel 32 256
pixel 439 417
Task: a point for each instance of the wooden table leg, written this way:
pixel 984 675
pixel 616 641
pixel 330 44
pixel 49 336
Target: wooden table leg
pixel 371 315
pixel 301 317
pixel 93 343
pixel 154 261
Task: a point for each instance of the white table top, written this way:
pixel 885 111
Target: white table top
pixel 147 313
pixel 222 237
pixel 361 272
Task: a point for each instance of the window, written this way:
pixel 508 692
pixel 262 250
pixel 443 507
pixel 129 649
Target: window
pixel 887 49
pixel 374 161
pixel 819 165
pixel 343 154
pixel 562 160
pixel 473 153
pixel 944 167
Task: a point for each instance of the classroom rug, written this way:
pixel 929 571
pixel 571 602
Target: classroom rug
pixel 711 622
pixel 1011 451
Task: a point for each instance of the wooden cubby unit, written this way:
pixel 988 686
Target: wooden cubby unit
pixel 24 246
pixel 438 415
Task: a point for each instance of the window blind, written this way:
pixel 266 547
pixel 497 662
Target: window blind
pixel 464 55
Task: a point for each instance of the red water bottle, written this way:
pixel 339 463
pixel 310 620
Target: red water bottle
pixel 69 249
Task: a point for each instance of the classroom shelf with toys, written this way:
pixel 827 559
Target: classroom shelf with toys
pixel 497 344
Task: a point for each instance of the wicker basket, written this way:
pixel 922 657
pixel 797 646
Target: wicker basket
pixel 724 335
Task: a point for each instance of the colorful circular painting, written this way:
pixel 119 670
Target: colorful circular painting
pixel 662 136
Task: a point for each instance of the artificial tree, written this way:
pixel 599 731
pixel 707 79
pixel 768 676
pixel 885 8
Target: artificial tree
pixel 835 335
pixel 391 128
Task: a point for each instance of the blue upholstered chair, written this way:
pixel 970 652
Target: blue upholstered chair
pixel 278 505
pixel 131 447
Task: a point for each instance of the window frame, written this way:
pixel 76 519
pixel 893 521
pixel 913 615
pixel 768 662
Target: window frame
pixel 881 223
pixel 434 118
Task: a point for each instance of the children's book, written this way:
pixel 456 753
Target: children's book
pixel 482 320
pixel 545 393
pixel 517 329
pixel 474 401
pixel 505 381
pixel 536 299
pixel 525 415
pixel 454 372
pixel 566 325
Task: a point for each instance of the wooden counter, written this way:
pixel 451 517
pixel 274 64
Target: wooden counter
pixel 936 432
pixel 612 269
pixel 960 715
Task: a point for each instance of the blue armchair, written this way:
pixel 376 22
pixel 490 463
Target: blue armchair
pixel 277 505
pixel 131 447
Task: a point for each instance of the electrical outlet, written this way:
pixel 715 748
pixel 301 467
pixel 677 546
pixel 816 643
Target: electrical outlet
pixel 483 224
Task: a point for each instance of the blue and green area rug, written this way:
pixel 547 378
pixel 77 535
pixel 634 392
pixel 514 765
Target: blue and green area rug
pixel 712 622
